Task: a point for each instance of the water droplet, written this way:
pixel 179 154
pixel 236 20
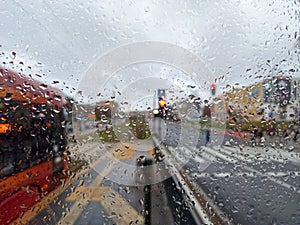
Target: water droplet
pixel 13 55
pixel 43 86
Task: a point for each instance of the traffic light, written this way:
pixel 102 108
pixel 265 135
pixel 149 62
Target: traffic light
pixel 162 102
pixel 213 89
pixel 162 107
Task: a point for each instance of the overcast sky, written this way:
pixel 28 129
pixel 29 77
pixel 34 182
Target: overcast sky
pixel 61 40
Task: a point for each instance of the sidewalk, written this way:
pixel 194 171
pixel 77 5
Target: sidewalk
pixel 274 141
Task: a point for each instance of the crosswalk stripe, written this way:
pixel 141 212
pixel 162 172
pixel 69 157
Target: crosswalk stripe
pixel 219 155
pixel 252 155
pixel 269 153
pixel 273 179
pixel 241 174
pixel 232 152
pixel 233 160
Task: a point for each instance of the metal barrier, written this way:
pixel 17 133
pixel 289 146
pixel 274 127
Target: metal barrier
pixel 144 162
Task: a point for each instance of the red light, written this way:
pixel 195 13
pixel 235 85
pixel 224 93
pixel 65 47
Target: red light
pixel 213 89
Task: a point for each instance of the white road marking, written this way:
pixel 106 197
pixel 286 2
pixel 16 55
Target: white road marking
pixel 215 153
pixel 260 154
pixel 234 152
pixel 243 174
pixel 233 160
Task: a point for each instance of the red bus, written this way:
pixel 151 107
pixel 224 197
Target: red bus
pixel 32 142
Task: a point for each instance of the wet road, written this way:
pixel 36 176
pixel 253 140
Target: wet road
pixel 238 183
pixel 250 185
pixel 111 190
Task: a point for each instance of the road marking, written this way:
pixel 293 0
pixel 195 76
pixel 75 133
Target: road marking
pixel 88 152
pixel 240 155
pixel 180 157
pixel 272 178
pixel 234 161
pixel 94 192
pixel 256 155
pixel 77 208
pixel 215 153
pixel 117 205
pixel 124 151
pixel 151 152
pixel 280 155
pixel 242 174
pixel 41 205
pixel 112 202
pixel 29 215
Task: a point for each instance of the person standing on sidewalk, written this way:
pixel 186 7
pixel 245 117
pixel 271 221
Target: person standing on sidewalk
pixel 207 115
pixel 207 137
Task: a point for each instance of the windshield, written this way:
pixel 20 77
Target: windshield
pixel 150 112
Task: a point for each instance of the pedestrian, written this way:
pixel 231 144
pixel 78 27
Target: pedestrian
pixel 253 130
pixel 296 135
pixel 207 136
pixel 257 135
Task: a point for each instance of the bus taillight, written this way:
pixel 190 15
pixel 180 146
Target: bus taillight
pixel 4 127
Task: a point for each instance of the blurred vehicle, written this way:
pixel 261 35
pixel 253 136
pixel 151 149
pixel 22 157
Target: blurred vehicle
pixel 32 142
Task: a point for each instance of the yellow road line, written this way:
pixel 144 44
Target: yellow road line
pixel 112 202
pixel 30 214
pixel 124 152
pixel 46 200
pixel 76 210
pixel 151 152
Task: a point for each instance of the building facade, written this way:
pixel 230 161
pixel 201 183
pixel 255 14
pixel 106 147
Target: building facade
pixel 273 98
